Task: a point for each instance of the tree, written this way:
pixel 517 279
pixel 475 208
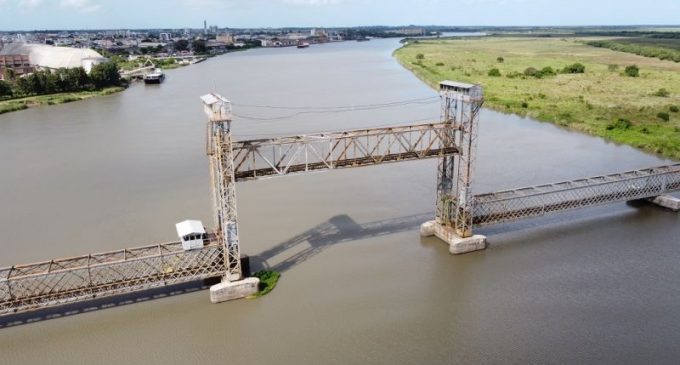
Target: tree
pixel 9 75
pixel 632 71
pixel 105 74
pixel 420 56
pixel 500 59
pixel 494 72
pixel 5 89
pixel 199 46
pixel 78 78
pixel 181 45
pixel 23 86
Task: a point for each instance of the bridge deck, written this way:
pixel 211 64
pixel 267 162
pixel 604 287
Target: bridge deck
pixel 539 200
pixel 56 282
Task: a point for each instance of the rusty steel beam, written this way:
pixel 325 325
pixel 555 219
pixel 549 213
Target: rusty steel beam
pixel 263 158
pixel 61 281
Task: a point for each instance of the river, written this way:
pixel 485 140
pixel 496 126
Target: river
pixel 600 285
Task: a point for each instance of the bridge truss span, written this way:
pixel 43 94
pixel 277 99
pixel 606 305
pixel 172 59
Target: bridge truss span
pixel 262 158
pixel 61 281
pixel 511 205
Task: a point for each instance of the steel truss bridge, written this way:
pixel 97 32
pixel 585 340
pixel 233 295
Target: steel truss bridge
pixel 452 141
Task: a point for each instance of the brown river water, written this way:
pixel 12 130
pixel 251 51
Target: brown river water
pixel 600 285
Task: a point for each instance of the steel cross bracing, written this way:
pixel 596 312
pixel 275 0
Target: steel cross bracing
pixel 56 282
pixel 262 158
pixel 219 149
pixel 461 104
pixel 539 200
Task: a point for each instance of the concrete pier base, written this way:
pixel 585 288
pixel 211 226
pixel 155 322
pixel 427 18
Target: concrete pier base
pixel 457 245
pixel 230 290
pixel 427 228
pixel 666 201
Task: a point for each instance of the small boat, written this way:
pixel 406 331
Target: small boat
pixel 302 45
pixel 155 77
pixel 363 39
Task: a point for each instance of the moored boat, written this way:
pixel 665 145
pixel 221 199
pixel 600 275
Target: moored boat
pixel 155 77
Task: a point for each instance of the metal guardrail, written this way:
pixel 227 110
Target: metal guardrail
pixel 511 205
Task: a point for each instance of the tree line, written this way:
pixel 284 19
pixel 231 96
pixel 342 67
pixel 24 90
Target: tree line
pixel 646 51
pixel 60 80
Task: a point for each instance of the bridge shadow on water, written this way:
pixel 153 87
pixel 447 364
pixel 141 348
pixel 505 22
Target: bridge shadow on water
pixel 336 230
pixel 71 309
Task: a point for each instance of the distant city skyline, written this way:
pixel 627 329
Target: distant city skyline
pixel 26 15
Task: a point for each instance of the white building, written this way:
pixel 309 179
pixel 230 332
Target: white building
pixel 54 57
pixel 90 62
pixel 191 233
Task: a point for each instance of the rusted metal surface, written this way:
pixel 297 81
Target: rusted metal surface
pixel 223 183
pixel 460 104
pixel 61 281
pixel 511 205
pixel 262 158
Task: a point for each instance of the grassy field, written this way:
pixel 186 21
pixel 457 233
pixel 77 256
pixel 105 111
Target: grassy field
pixel 11 105
pixel 603 101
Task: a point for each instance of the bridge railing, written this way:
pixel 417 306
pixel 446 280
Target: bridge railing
pixel 539 200
pixel 263 158
pixel 56 282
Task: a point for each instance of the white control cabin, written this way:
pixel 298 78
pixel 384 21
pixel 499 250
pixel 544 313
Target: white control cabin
pixel 191 233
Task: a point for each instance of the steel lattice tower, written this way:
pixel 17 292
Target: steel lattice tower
pixel 461 104
pixel 220 153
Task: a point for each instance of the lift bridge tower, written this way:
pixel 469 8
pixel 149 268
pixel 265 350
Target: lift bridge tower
pixel 220 153
pixel 460 104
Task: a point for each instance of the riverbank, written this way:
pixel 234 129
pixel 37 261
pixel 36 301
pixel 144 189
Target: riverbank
pixel 11 105
pixel 603 101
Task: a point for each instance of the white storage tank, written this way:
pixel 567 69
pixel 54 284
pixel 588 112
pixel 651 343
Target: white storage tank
pixel 191 233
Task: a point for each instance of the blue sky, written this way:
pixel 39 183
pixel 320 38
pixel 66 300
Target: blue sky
pixel 115 14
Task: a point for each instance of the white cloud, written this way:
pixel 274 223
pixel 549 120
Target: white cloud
pixel 83 6
pixel 29 4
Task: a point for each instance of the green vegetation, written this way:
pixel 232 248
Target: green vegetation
pixel 632 71
pixel 576 68
pixel 57 87
pixel 62 80
pixel 662 93
pixel 164 63
pixel 7 106
pixel 663 49
pixel 268 280
pixel 494 72
pixel 199 46
pixel 587 94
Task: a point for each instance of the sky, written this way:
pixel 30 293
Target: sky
pixel 136 14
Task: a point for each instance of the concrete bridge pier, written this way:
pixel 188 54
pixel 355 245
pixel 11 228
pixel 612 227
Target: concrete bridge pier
pixel 457 244
pixel 666 201
pixel 230 290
